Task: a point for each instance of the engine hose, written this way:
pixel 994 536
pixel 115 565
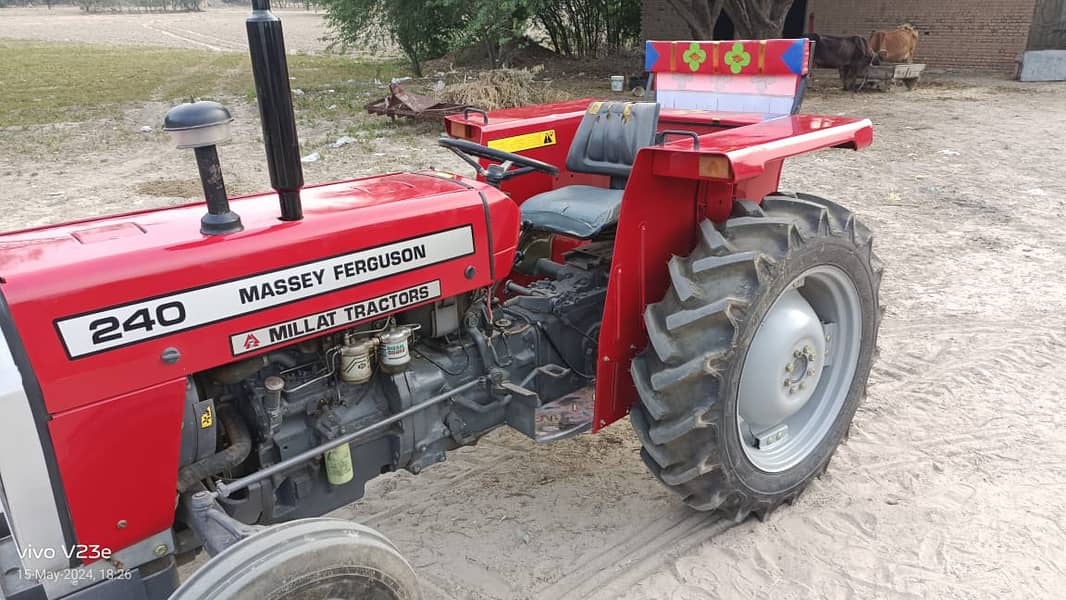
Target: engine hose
pixel 482 346
pixel 240 446
pixel 237 372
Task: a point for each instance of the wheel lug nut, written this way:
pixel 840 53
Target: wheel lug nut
pixel 790 367
pixel 788 382
pixel 797 354
pixel 802 385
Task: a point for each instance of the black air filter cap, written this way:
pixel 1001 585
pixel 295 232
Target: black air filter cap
pixel 198 124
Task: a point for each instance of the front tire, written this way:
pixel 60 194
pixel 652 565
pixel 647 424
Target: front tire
pixel 744 394
pixel 307 559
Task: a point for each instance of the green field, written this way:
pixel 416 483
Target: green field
pixel 49 82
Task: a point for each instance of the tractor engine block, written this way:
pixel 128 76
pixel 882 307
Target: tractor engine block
pixel 531 349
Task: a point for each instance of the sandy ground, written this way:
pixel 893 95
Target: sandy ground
pixel 952 484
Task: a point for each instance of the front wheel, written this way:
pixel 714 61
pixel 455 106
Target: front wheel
pixel 759 354
pixel 307 559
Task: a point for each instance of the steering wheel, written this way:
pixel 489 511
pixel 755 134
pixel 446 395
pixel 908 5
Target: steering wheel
pixel 495 173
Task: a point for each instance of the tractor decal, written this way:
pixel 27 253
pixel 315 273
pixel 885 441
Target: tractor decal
pixel 694 56
pixel 118 326
pixel 525 141
pixel 341 316
pixel 737 58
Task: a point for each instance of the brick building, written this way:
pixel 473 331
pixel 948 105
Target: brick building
pixel 985 35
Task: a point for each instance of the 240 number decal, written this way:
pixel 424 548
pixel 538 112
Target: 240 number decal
pixel 109 329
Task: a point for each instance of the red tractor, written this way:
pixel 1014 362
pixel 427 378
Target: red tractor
pixel 175 381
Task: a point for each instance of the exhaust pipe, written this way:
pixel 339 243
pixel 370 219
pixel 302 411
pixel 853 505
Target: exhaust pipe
pixel 271 72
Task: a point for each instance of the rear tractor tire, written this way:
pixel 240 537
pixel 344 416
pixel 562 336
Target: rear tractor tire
pixel 759 354
pixel 307 559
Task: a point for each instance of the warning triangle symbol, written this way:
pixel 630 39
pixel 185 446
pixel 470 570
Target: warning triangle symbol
pixel 548 139
pixel 251 342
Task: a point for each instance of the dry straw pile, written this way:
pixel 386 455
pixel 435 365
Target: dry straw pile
pixel 503 88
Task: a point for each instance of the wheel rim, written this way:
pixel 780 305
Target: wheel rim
pixel 799 368
pixel 341 583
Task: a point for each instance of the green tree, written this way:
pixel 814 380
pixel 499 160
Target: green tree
pixel 492 25
pixel 423 29
pixel 590 27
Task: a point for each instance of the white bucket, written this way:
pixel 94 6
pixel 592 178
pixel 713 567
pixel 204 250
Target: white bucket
pixel 617 82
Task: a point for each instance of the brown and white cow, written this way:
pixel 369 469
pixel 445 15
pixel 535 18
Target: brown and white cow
pixel 896 45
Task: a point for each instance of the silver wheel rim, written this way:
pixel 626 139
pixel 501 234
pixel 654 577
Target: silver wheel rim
pixel 799 368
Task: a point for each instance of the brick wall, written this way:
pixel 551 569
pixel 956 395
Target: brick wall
pixel 981 35
pixel 985 35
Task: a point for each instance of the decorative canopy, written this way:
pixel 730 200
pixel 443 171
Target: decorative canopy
pixel 728 57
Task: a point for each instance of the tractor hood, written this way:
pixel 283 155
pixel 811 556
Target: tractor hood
pixel 108 305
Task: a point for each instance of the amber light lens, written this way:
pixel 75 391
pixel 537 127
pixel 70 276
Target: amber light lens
pixel 459 130
pixel 715 166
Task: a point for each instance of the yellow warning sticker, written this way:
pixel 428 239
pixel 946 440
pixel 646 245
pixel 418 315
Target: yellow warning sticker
pixel 207 419
pixel 526 141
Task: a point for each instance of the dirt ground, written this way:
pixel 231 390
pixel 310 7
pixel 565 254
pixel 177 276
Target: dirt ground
pixel 220 29
pixel 952 484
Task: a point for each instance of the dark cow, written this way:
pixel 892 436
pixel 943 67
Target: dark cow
pixel 848 54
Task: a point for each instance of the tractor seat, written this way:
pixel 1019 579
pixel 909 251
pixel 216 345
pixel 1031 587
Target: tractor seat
pixel 606 143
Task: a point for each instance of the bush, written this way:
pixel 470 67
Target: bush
pixel 590 28
pixel 423 29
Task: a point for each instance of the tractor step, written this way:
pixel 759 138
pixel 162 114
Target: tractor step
pixel 565 417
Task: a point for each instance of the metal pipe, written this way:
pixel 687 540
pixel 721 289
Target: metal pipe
pixel 219 218
pixel 266 44
pixel 549 267
pixel 238 450
pixel 521 290
pixel 482 346
pixel 226 489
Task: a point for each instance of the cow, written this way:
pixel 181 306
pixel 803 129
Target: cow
pixel 896 45
pixel 850 55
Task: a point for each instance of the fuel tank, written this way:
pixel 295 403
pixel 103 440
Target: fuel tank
pixel 111 305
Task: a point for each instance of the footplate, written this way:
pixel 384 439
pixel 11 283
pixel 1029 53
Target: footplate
pixel 565 417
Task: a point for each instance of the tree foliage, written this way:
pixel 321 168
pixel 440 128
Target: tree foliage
pixel 140 5
pixel 752 19
pixel 589 28
pixel 758 19
pixel 491 24
pixel 425 29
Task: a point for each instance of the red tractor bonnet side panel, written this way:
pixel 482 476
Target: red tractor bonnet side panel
pixel 118 459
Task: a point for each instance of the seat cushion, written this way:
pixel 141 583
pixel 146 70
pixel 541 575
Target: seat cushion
pixel 580 211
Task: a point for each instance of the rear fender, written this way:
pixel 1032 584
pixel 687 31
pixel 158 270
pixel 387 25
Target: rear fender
pixel 671 189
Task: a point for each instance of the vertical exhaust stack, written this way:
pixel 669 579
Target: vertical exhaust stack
pixel 271 72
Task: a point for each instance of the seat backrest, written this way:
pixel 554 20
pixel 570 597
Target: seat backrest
pixel 609 136
pixel 767 77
